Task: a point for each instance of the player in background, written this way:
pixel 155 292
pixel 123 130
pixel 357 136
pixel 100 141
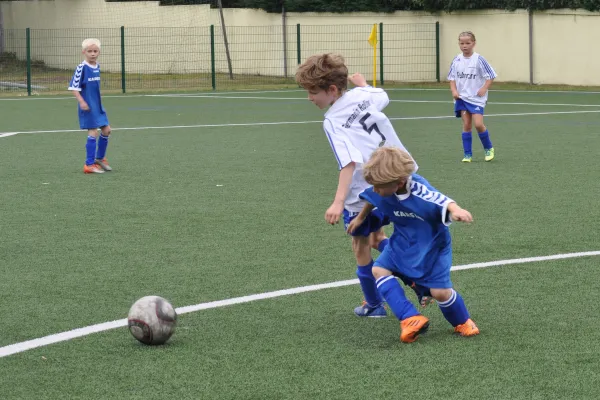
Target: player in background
pixel 355 126
pixel 470 78
pixel 85 85
pixel 420 249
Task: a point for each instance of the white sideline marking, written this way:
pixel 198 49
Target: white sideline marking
pixel 292 90
pixel 218 96
pixel 141 128
pixel 117 96
pixel 75 333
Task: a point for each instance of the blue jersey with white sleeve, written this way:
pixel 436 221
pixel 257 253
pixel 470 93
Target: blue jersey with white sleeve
pixel 86 80
pixel 420 247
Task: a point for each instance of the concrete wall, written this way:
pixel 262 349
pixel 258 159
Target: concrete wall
pixel 182 43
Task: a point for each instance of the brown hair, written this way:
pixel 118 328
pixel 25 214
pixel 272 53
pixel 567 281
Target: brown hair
pixel 467 33
pixel 321 71
pixel 388 164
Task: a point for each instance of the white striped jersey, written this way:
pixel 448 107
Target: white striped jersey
pixel 355 127
pixel 470 75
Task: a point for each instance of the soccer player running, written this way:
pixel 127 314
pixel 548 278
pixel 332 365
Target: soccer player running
pixel 470 78
pixel 85 85
pixel 420 249
pixel 355 126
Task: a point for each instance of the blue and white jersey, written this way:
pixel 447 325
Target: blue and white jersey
pixel 355 127
pixel 470 75
pixel 86 80
pixel 420 219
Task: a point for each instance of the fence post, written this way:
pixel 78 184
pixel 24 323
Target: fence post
pixel 28 40
pixel 381 53
pixel 123 59
pixel 298 51
pixel 212 57
pixel 437 51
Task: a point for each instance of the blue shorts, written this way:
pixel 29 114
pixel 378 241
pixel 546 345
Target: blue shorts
pixel 374 222
pixel 461 105
pixel 434 273
pixel 92 119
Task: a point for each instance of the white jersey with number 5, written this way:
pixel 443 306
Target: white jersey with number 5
pixel 355 127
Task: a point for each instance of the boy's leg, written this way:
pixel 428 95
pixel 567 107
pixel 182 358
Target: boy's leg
pixel 373 306
pixel 467 138
pixel 455 311
pixel 102 145
pixel 484 137
pixel 412 323
pixel 90 150
pixel 378 240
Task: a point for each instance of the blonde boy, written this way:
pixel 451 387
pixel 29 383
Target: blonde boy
pixel 420 249
pixel 85 85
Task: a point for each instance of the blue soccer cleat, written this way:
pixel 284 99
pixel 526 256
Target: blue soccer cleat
pixel 366 310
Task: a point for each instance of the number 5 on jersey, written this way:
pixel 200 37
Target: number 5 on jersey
pixel 369 129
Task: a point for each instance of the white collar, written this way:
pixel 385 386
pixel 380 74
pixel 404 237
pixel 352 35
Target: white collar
pixel 407 194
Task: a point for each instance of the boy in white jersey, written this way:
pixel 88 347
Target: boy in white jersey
pixel 355 127
pixel 470 78
pixel 85 85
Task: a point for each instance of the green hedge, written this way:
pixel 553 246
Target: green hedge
pixel 343 6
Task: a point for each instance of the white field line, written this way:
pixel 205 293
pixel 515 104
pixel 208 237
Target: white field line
pixel 218 96
pixel 75 333
pixel 141 128
pixel 293 90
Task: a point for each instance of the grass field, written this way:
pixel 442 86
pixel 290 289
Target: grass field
pixel 222 195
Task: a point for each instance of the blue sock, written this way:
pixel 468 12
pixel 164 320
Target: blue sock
pixel 367 283
pixel 393 293
pixel 467 139
pixel 102 145
pixel 454 309
pixel 382 244
pixel 90 150
pixel 485 139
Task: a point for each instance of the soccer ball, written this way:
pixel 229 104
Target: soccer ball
pixel 152 320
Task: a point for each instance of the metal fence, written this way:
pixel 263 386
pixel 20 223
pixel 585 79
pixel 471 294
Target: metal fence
pixel 205 58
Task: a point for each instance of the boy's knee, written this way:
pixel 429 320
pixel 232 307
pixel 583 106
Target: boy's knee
pixel 379 272
pixel 375 239
pixel 441 294
pixel 106 130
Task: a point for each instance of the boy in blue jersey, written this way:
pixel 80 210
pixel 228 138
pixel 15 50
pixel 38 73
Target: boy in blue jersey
pixel 420 249
pixel 85 85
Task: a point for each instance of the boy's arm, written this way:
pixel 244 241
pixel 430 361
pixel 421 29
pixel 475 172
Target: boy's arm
pixel 360 218
pixel 486 86
pixel 334 212
pixel 459 214
pixel 84 106
pixel 453 89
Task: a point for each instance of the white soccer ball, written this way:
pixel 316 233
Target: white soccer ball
pixel 152 320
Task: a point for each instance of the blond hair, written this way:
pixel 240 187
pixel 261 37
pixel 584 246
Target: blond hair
pixel 388 164
pixel 467 33
pixel 90 42
pixel 321 71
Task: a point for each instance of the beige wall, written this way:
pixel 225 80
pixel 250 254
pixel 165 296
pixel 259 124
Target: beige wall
pixel 502 38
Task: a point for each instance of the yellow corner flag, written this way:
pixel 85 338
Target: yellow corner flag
pixel 373 43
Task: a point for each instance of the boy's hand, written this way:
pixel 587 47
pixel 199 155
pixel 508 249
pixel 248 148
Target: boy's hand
pixel 461 215
pixel 84 106
pixel 354 224
pixel 481 92
pixel 334 212
pixel 455 95
pixel 358 80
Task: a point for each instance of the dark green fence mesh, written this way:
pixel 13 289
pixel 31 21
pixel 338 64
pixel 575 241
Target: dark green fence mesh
pixel 205 58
